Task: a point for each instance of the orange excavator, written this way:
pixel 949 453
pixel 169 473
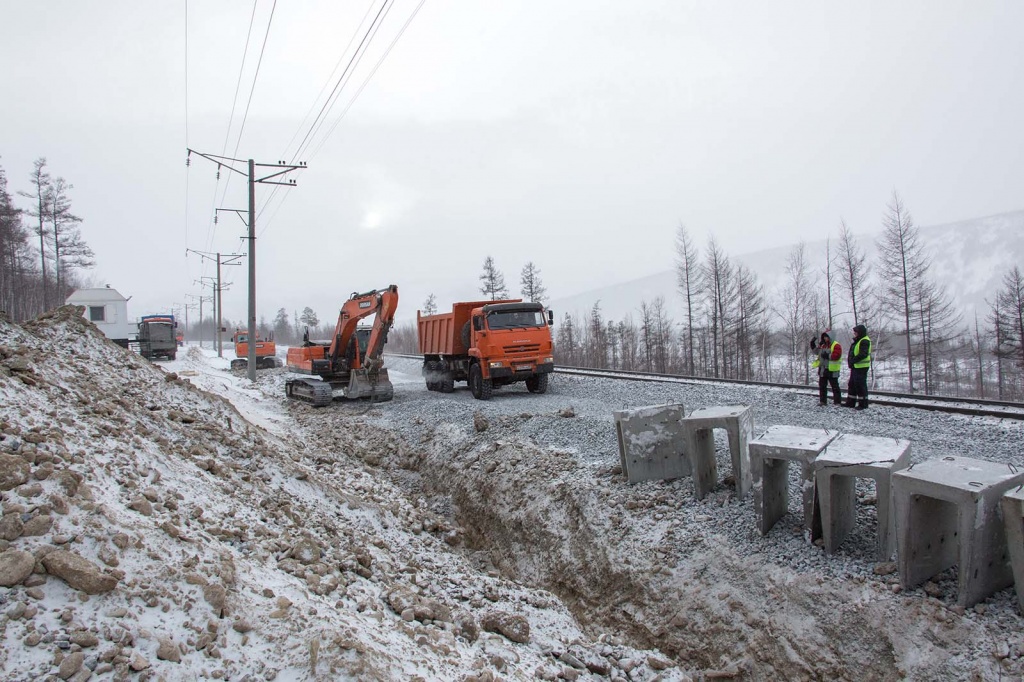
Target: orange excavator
pixel 351 363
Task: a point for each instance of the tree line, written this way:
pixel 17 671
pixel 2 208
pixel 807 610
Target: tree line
pixel 732 327
pixel 42 252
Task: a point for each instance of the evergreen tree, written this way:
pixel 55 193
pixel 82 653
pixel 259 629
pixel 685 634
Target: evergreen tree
pixel 532 287
pixel 493 281
pixel 430 305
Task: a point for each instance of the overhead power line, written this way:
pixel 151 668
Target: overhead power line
pixel 348 106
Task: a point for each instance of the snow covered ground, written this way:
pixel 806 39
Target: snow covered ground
pixel 217 531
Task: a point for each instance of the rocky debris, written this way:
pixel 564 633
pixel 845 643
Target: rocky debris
pixel 168 651
pixel 37 525
pixel 15 566
pixel 78 572
pixel 216 596
pixel 306 551
pixel 513 627
pixel 567 412
pixel 14 471
pixel 480 422
pixel 11 526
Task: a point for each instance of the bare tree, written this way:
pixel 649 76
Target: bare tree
pixel 14 247
pixel 853 270
pixel 309 317
pixel 40 179
pixel 493 281
pixel 716 280
pixel 750 327
pixel 597 345
pixel 1008 318
pixel 902 266
pixel 532 287
pixel 567 348
pixel 687 277
pixel 430 305
pixel 70 252
pixel 796 309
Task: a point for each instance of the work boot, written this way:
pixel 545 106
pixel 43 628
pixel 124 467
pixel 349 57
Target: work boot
pixel 863 405
pixel 850 403
pixel 823 403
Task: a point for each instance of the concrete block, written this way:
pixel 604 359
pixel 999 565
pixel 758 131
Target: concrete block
pixel 1013 520
pixel 651 443
pixel 770 455
pixel 948 513
pixel 836 470
pixel 698 429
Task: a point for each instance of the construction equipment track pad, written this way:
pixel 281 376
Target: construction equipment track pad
pixel 313 391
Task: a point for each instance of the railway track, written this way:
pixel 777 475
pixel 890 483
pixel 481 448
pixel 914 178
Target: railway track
pixel 977 407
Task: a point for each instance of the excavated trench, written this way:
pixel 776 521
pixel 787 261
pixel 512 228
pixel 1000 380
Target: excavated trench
pixel 547 522
pixel 644 563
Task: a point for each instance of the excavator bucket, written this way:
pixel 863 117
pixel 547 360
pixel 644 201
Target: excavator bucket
pixel 375 385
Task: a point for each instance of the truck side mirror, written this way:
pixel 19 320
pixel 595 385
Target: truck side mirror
pixel 551 318
pixel 477 326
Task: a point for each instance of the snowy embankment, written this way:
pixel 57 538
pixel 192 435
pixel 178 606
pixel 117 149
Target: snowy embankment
pixel 151 531
pixel 432 537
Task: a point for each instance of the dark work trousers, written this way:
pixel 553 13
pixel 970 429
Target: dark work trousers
pixel 823 384
pixel 858 388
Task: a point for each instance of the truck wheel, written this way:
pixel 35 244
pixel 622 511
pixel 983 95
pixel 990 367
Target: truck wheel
pixel 480 387
pixel 172 356
pixel 464 336
pixel 538 383
pixel 447 384
pixel 429 367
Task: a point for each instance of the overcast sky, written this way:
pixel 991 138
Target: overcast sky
pixel 573 134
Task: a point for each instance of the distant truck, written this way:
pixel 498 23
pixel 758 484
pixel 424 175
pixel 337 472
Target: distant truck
pixel 266 351
pixel 487 344
pixel 157 337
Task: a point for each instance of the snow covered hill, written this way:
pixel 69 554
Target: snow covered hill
pixel 969 257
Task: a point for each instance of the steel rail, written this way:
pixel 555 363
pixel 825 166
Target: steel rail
pixel 968 406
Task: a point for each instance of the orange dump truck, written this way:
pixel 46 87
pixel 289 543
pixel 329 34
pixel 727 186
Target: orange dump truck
pixel 487 344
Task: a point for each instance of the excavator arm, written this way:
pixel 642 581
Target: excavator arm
pixel 382 303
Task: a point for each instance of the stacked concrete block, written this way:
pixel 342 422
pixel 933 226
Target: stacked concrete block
pixel 770 455
pixel 1013 520
pixel 698 428
pixel 948 514
pixel 651 443
pixel 836 469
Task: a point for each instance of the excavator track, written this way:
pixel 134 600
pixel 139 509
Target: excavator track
pixel 317 393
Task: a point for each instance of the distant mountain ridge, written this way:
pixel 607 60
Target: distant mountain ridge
pixel 969 257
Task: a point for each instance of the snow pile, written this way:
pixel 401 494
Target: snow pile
pixel 149 532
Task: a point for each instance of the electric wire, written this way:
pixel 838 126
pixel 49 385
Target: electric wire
pixel 376 66
pixel 227 133
pixel 252 90
pixel 347 107
pixel 330 78
pixel 336 92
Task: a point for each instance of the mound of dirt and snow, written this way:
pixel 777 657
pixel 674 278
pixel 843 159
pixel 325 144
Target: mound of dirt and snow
pixel 150 532
pixel 170 538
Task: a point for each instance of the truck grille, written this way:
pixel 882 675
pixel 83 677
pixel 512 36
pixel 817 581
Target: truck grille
pixel 531 348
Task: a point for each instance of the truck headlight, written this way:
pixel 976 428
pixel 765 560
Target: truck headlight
pixel 549 361
pixel 495 365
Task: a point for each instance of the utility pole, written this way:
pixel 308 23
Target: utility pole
pixel 280 168
pixel 205 282
pixel 197 301
pixel 221 259
pixel 188 307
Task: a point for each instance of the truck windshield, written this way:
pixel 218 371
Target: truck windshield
pixel 516 318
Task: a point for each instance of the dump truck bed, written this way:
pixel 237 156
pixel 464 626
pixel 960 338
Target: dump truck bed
pixel 442 334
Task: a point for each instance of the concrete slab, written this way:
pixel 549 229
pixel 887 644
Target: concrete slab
pixel 948 514
pixel 698 429
pixel 651 443
pixel 1013 520
pixel 848 457
pixel 770 455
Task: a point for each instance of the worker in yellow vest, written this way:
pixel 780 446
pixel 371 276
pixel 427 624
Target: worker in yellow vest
pixel 860 362
pixel 828 362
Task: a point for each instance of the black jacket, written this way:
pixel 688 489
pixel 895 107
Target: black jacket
pixel 864 350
